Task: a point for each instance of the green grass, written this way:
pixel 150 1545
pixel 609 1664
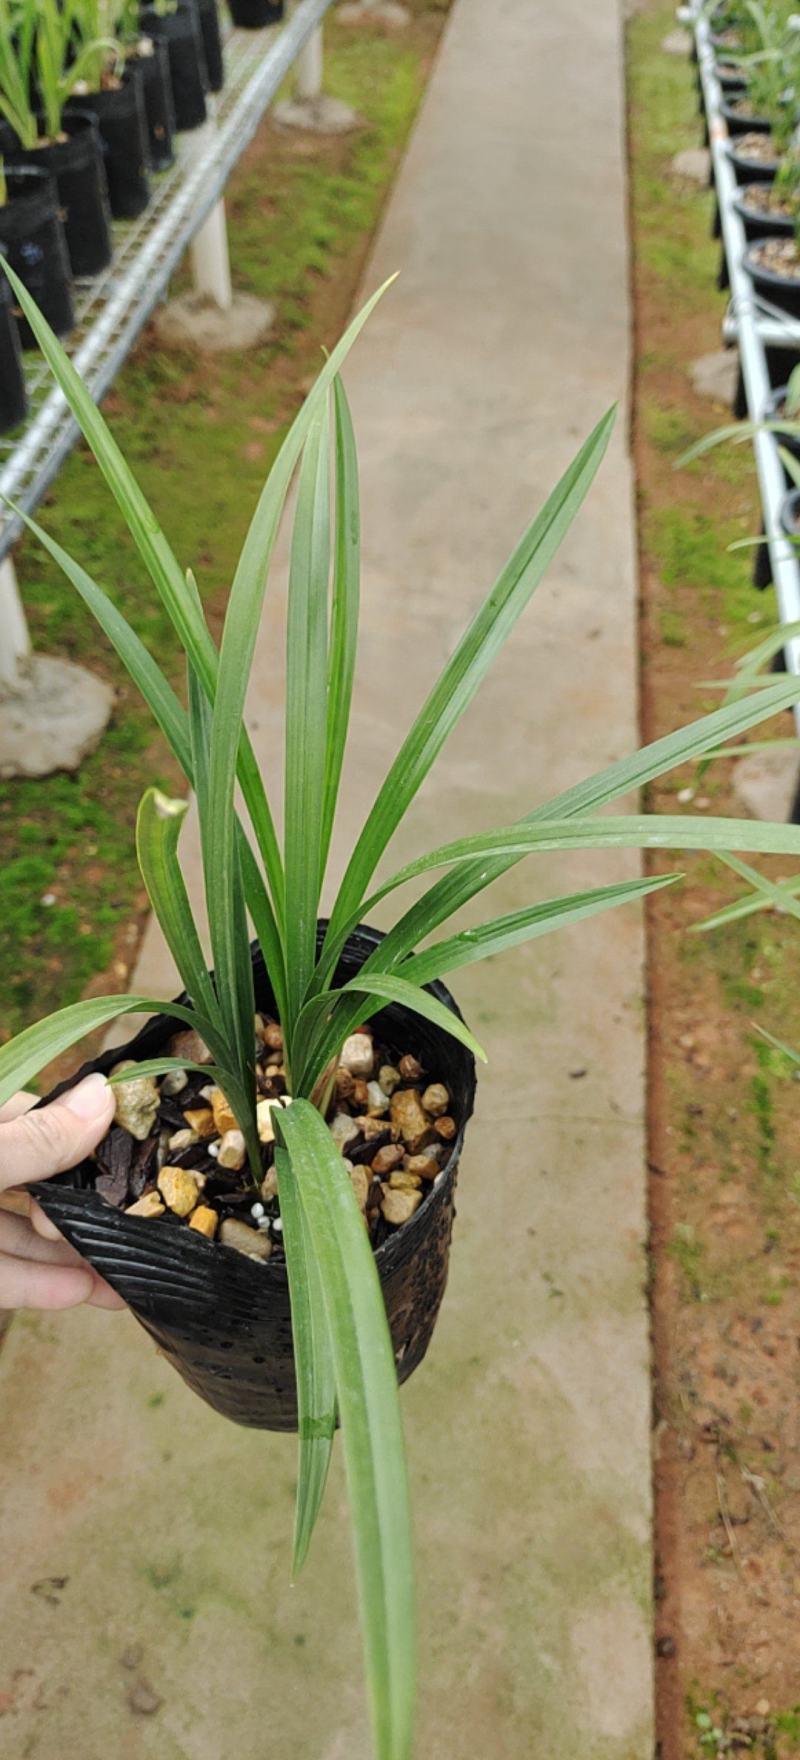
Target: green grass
pixel 201 437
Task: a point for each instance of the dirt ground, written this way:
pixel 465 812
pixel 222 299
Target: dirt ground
pixel 725 1165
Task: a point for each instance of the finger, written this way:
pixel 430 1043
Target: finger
pixel 42 1223
pixel 103 1296
pixel 24 1284
pixel 47 1141
pixel 19 1239
pixel 21 1102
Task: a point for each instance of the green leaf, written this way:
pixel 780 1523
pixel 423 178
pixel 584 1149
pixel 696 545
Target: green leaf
pixel 775 893
pixel 316 1382
pixel 178 596
pixel 344 613
pixel 744 907
pixel 389 988
pixel 525 925
pixel 160 1066
pixel 369 1408
pixel 330 1018
pixel 158 828
pixel 778 1044
pixel 306 680
pixel 244 612
pixel 467 667
pixel 629 774
pixel 25 1055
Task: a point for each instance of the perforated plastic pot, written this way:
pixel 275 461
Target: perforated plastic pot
pixel 253 15
pixel 122 124
pixel 224 1320
pixel 159 104
pixel 212 44
pixel 13 396
pixel 32 238
pixel 76 163
pixel 188 73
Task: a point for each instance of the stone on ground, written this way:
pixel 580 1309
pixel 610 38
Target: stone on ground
pixel 53 718
pixel 767 782
pixel 694 164
pixel 388 14
pixel 529 1425
pixel 194 321
pixel 322 115
pixel 677 43
pixel 716 375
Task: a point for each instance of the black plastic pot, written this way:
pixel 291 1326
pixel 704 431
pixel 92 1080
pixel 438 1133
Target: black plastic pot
pixel 737 124
pixel 731 80
pixel 159 104
pixel 773 412
pixel 32 238
pixel 253 15
pixel 212 44
pixel 224 1321
pixel 122 124
pixel 790 514
pixel 13 396
pixel 747 170
pixel 780 290
pixel 76 163
pixel 760 222
pixel 181 32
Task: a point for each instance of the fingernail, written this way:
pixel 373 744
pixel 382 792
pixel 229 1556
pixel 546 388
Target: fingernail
pixel 89 1099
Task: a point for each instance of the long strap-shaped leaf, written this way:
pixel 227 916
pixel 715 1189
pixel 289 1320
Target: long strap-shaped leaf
pixel 329 1027
pixel 25 1055
pixel 777 899
pixel 173 721
pixel 180 601
pixel 527 837
pixel 369 1408
pixel 344 612
pixel 629 774
pixel 313 1361
pixel 306 677
pixel 246 600
pixel 468 665
pixel 158 828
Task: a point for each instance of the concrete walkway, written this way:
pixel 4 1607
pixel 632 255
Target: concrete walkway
pixel 174 1635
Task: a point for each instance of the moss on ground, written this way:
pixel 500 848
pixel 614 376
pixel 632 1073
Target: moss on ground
pixel 201 434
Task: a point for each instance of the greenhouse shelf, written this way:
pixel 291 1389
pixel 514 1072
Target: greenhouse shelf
pixel 111 308
pixel 755 327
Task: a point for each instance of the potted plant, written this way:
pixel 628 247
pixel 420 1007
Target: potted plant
pixel 253 15
pixel 13 396
pixel 40 134
pixel 292 1266
pixel 112 90
pixel 177 23
pixel 32 239
pixel 150 56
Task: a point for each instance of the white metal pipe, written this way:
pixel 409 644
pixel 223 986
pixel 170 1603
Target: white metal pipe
pixel 752 334
pixel 15 643
pixel 211 264
pixel 308 70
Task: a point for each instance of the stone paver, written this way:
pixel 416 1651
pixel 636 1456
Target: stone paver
pixel 505 339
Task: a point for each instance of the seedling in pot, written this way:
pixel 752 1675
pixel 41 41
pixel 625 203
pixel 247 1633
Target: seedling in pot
pixel 343 1353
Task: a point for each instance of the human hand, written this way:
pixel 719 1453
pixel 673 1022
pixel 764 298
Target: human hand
pixel 38 1269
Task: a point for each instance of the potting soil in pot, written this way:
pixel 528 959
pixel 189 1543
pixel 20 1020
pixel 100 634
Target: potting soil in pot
pixel 175 1150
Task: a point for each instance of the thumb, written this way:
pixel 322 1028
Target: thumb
pixel 56 1137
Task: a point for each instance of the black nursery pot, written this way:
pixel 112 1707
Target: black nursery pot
pixel 224 1321
pixel 32 238
pixel 159 104
pixel 747 170
pixel 76 163
pixel 13 396
pixel 212 44
pixel 181 32
pixel 762 222
pixel 122 125
pixel 773 412
pixel 737 123
pixel 253 15
pixel 780 290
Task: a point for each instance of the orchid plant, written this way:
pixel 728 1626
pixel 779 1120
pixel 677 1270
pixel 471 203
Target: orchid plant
pixel 343 1351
